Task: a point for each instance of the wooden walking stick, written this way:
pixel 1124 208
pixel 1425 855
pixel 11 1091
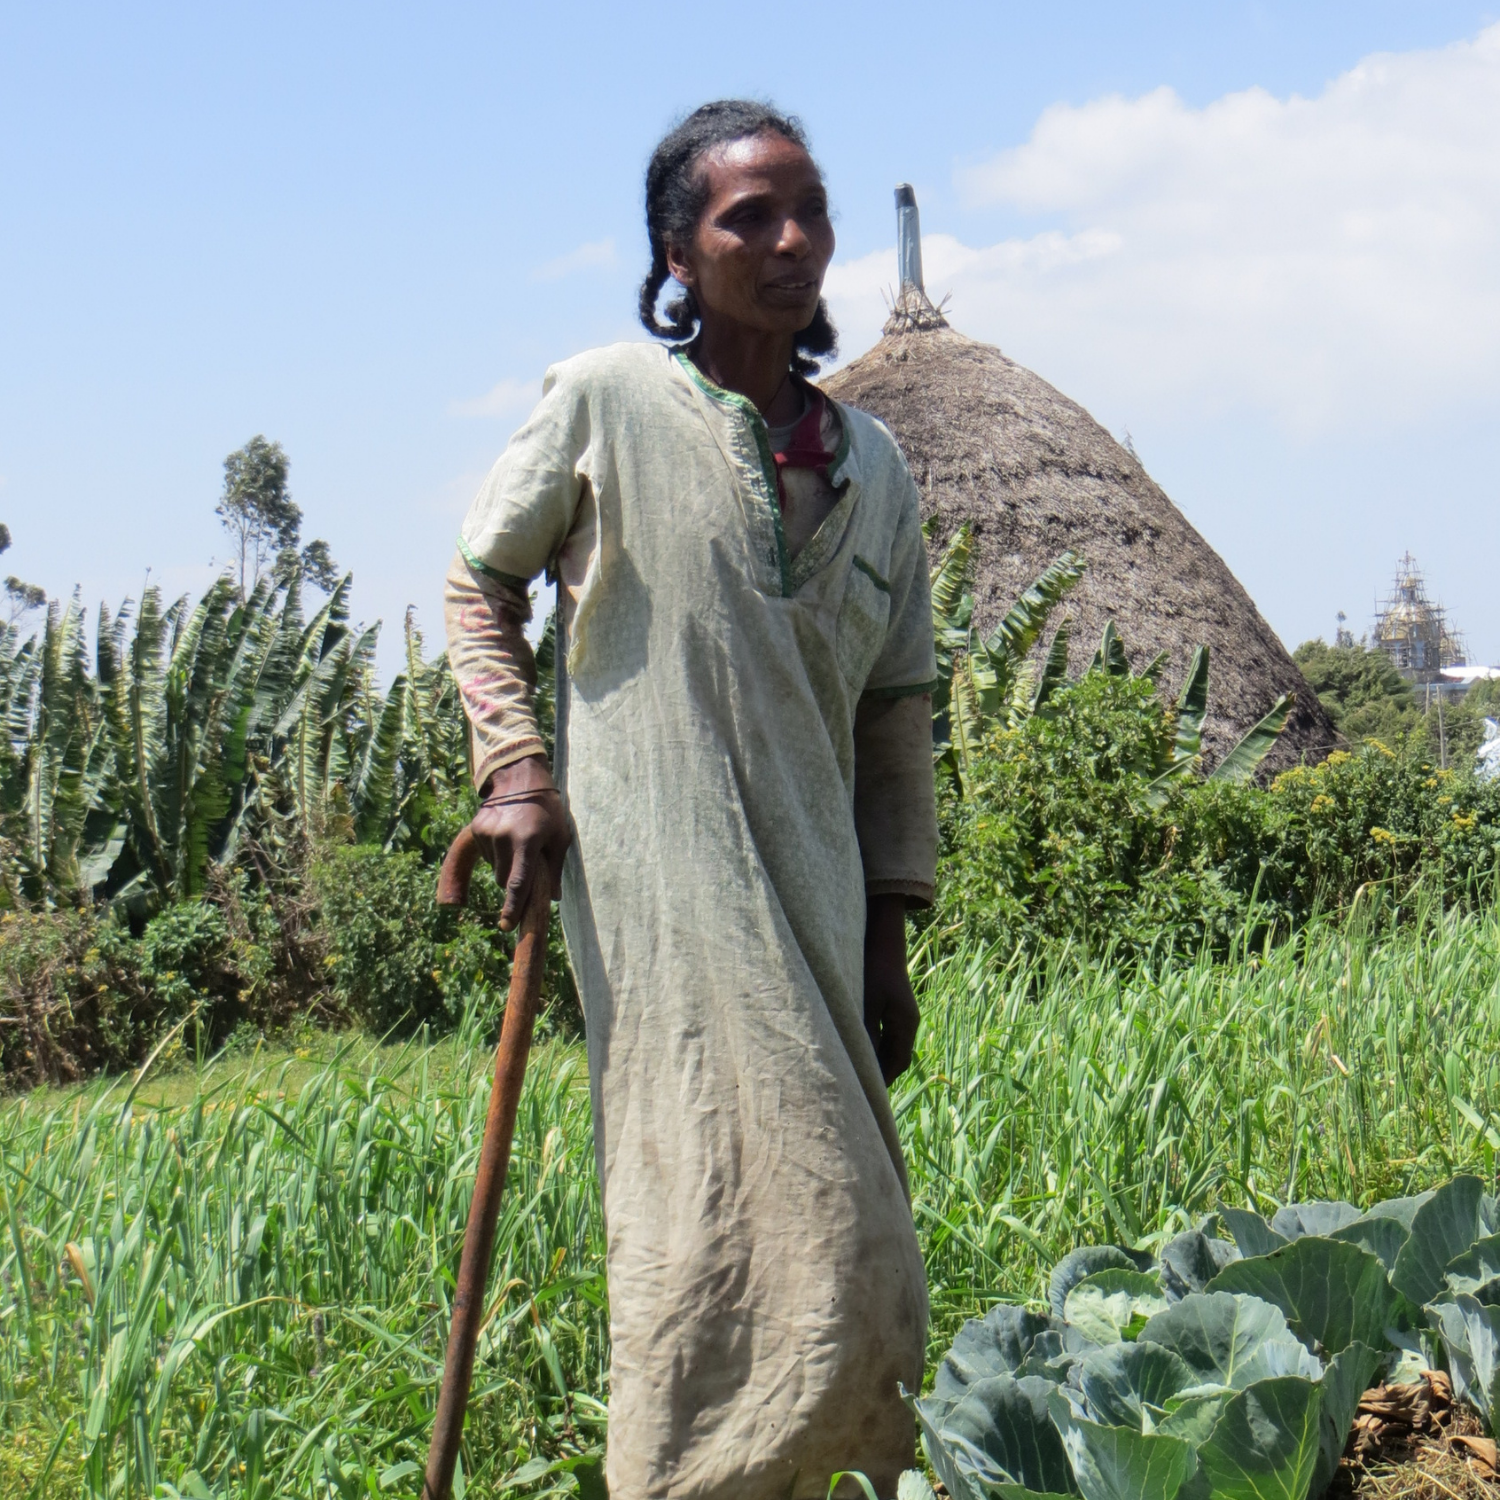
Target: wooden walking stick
pixel 494 1156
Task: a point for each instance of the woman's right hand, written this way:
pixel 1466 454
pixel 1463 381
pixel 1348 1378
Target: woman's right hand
pixel 522 830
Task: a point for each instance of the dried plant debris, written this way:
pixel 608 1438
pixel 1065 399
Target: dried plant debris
pixel 1413 1442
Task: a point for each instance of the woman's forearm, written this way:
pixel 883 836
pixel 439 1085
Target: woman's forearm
pixel 493 665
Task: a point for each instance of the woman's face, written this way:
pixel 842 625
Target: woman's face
pixel 764 239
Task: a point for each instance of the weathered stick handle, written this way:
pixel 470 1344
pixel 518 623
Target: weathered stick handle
pixel 494 1159
pixel 458 869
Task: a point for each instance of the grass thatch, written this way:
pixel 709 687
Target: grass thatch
pixel 993 444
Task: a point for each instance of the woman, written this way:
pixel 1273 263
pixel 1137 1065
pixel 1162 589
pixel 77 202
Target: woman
pixel 744 795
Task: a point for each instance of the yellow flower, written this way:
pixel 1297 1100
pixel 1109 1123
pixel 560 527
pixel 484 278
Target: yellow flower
pixel 1338 757
pixel 1460 820
pixel 1321 803
pixel 1382 836
pixel 1384 749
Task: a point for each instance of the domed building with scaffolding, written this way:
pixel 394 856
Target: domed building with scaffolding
pixel 1413 630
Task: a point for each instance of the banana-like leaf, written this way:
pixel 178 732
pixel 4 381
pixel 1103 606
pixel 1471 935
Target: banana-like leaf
pixel 1442 1229
pixel 1241 762
pixel 1231 1340
pixel 952 611
pixel 950 576
pixel 1055 669
pixel 1112 1305
pixel 965 727
pixel 1333 1293
pixel 1110 658
pixel 1192 705
pixel 1153 669
pixel 374 787
pixel 1265 1444
pixel 1013 638
pixel 1121 1463
pixel 991 677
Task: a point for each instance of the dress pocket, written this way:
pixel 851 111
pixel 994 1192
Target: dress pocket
pixel 863 617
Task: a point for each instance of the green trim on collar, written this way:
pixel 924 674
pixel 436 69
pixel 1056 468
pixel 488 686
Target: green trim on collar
pixel 824 541
pixel 763 444
pixel 871 574
pixel 910 691
pixel 508 579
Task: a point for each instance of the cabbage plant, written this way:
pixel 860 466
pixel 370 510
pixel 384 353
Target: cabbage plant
pixel 1227 1367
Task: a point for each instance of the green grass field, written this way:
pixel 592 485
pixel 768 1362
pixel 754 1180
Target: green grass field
pixel 233 1281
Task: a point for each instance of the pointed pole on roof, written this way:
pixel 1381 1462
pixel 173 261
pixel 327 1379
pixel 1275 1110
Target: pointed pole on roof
pixel 908 237
pixel 912 311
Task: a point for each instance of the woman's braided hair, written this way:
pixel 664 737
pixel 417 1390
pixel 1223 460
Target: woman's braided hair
pixel 676 195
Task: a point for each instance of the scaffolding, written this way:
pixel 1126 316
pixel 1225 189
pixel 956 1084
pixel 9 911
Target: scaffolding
pixel 1412 629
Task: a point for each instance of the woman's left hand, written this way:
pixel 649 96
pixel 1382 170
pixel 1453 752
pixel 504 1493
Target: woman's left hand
pixel 891 1015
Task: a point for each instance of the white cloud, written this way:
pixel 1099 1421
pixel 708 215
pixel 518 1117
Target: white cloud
pixel 596 255
pixel 1334 261
pixel 504 398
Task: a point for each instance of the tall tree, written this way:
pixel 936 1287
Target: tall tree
pixel 256 508
pixel 265 523
pixel 22 597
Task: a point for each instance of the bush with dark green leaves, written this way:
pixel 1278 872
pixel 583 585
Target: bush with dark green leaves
pixel 1066 836
pixel 1061 837
pixel 395 958
pixel 80 994
pixel 72 1000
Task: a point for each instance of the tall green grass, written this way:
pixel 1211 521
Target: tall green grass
pixel 244 1293
pixel 1055 1103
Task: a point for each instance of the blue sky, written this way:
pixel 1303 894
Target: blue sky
pixel 1265 239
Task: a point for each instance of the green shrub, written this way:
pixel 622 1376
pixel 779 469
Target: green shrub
pixel 1062 838
pixel 185 959
pixel 72 1001
pixel 395 958
pixel 1361 690
pixel 1376 815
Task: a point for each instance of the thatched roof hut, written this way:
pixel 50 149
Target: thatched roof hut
pixel 1034 475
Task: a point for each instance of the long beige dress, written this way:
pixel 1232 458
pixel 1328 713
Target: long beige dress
pixel 766 1288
